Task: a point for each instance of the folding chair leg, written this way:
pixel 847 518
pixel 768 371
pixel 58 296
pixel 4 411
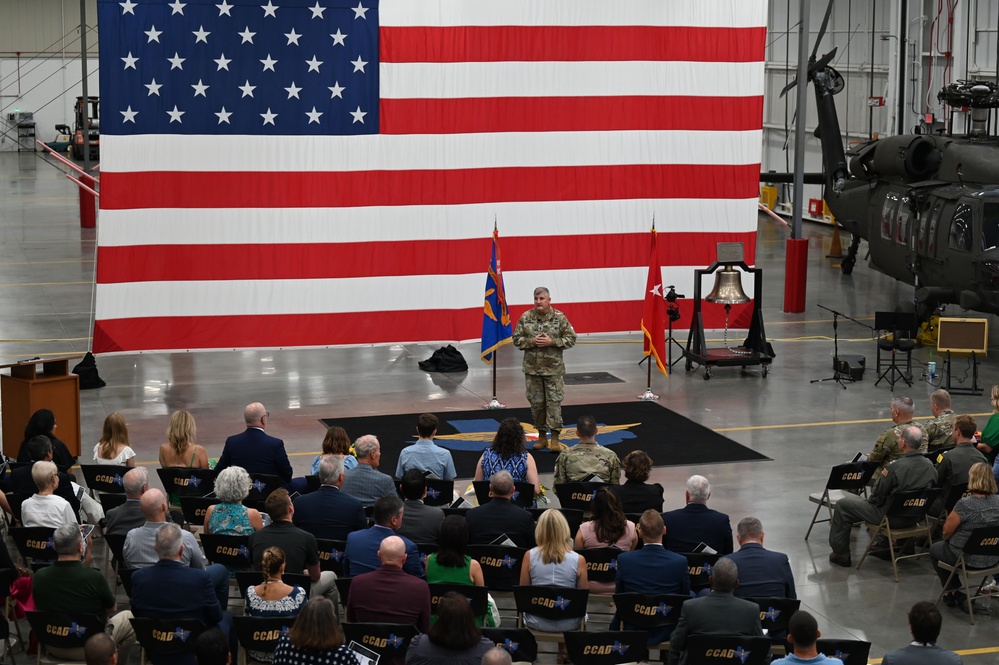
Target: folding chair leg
pixel 894 561
pixel 817 509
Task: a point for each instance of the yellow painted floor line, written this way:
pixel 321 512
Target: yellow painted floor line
pixel 824 424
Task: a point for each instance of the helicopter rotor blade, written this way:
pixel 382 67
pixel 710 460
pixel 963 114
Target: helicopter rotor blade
pixel 815 66
pixel 822 31
pixel 788 87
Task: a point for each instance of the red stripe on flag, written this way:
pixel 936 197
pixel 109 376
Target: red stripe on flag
pixel 555 114
pixel 169 263
pixel 256 330
pixel 571 43
pixel 186 189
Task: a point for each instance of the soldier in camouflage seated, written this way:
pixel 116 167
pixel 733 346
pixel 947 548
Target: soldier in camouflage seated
pixel 587 458
pixel 940 430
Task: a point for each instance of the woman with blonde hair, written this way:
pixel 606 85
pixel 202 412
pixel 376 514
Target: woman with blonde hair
pixel 980 508
pixel 273 598
pixel 180 450
pixel 336 442
pixel 113 448
pixel 553 563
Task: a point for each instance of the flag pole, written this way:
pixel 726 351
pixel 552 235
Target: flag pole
pixel 494 403
pixel 648 395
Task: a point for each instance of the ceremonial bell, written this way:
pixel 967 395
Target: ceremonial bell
pixel 728 288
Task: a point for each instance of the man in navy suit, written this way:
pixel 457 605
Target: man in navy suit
pixel 501 516
pixel 695 523
pixel 652 569
pixel 762 573
pixel 329 513
pixel 361 553
pixel 171 590
pixel 254 450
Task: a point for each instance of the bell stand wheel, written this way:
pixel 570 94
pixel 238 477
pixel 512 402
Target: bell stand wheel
pixel 765 369
pixel 707 373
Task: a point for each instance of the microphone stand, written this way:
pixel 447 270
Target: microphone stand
pixel 838 377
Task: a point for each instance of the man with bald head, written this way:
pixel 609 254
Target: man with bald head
pixel 140 544
pixel 255 450
pixel 389 594
pixel 501 516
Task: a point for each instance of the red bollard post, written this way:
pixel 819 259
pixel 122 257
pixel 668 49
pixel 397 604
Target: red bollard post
pixel 795 274
pixel 88 210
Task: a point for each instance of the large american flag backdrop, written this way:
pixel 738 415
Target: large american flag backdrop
pixel 292 173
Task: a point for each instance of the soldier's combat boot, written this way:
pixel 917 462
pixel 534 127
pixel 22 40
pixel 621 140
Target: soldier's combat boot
pixel 556 446
pixel 542 440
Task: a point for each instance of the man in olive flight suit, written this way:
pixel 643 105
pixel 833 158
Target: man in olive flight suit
pixel 911 471
pixel 587 458
pixel 886 448
pixel 543 333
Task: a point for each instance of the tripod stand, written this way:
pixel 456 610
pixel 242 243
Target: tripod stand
pixel 838 376
pixel 672 315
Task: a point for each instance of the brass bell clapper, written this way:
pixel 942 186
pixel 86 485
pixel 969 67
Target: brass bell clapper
pixel 728 291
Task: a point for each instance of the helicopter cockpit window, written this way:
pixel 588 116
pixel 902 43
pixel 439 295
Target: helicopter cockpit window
pixel 960 229
pixel 888 211
pixel 902 226
pixel 931 239
pixel 990 226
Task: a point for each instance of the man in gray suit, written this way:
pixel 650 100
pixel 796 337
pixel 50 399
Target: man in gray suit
pixel 719 613
pixel 924 624
pixel 420 523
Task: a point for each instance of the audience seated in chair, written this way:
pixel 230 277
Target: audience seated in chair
pixel 365 482
pixel 453 638
pixel 587 460
pixel 911 471
pixel 39 448
pixel 170 589
pixel 212 648
pixel 69 586
pixel 695 523
pixel 425 455
pixel 329 513
pixel 420 523
pixel 636 494
pixel 954 464
pixel 258 452
pixel 361 553
pixel 718 613
pixel 940 429
pixel 388 594
pixel 924 624
pixel 762 573
pixel 100 649
pixel 128 516
pixel 315 637
pixel 802 633
pixel 299 547
pixel 886 448
pixel 500 516
pixel 497 656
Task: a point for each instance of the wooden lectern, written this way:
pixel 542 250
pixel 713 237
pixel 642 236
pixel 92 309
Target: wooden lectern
pixel 27 390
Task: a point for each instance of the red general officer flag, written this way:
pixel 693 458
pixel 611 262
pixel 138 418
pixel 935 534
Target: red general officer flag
pixel 654 313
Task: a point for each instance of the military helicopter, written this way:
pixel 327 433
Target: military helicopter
pixel 927 204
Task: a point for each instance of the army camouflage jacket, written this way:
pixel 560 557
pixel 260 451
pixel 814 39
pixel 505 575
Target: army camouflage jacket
pixel 940 430
pixel 545 361
pixel 585 458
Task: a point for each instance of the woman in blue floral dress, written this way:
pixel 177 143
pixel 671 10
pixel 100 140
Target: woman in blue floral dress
pixel 508 453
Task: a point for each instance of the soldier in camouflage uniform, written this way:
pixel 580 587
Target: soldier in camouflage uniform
pixel 940 430
pixel 587 457
pixel 543 333
pixel 886 449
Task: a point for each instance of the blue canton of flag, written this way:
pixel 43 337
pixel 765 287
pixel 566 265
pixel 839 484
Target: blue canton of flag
pixel 284 67
pixel 496 327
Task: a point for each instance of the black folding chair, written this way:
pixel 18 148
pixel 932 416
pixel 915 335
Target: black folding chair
pixel 902 328
pixel 331 555
pixel 601 564
pixel 700 566
pixel 182 482
pixel 343 588
pixel 574 516
pixel 261 486
pixel 195 508
pixel 500 565
pixel 166 637
pixel 425 550
pixel 577 495
pixel 518 642
pixel 722 649
pixel 439 492
pixel 774 616
pixel 259 634
pixel 105 478
pixel 477 597
pixel 34 543
pixel 909 509
pixel 654 614
pixel 523 493
pixel 851 652
pixel 610 647
pixel 63 631
pixel 389 640
pixel 854 476
pixel 553 603
pixel 233 552
pixel 111 501
pixel 983 541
